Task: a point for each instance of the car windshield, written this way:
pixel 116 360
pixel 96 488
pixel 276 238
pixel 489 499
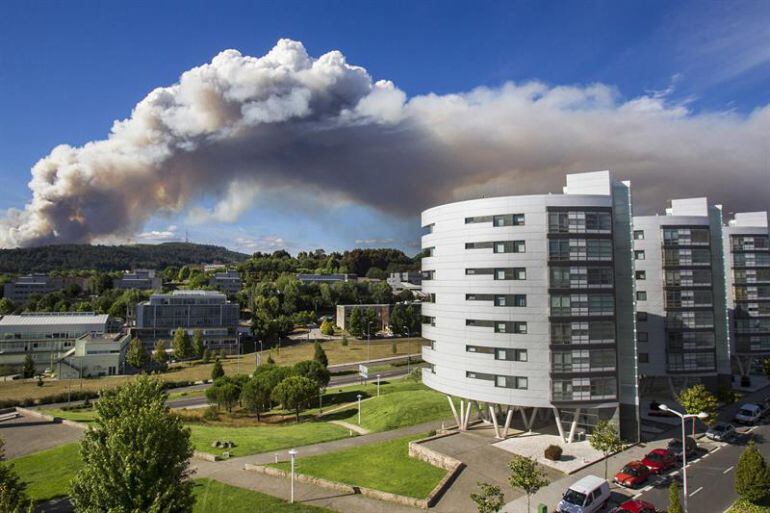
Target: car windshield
pixel 747 413
pixel 631 471
pixel 574 497
pixel 654 456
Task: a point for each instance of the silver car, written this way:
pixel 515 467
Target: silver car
pixel 721 432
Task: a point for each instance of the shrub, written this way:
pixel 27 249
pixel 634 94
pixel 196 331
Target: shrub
pixel 553 452
pixel 344 341
pixel 211 414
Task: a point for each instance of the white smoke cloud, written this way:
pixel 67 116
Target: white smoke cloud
pixel 239 127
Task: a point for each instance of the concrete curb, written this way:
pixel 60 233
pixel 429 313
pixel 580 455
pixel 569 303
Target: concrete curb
pixel 435 458
pixel 51 418
pixel 206 456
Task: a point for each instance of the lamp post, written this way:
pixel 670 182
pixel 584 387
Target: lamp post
pixel 359 409
pixel 684 416
pixel 293 454
pixel 378 385
pixel 369 342
pixel 259 354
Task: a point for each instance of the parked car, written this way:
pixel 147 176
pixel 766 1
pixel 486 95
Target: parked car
pixel 675 446
pixel 588 495
pixel 633 474
pixel 721 432
pixel 660 460
pixel 635 506
pixel 749 414
pixel 655 411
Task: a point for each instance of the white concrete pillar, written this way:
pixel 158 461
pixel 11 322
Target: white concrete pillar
pixel 454 411
pixel 494 421
pixel 573 427
pixel 508 417
pixel 557 418
pixel 532 419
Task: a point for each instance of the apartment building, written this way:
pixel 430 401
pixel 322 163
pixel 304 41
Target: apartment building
pixel 681 305
pixel 141 279
pixel 206 310
pixel 228 282
pixel 21 289
pixel 530 306
pixel 747 246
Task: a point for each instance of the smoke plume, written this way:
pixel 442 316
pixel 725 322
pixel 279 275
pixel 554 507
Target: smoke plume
pixel 287 121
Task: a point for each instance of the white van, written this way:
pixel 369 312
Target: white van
pixel 749 414
pixel 588 495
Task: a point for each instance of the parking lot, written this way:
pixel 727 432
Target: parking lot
pixel 28 434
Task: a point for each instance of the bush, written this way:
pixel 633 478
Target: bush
pixel 344 341
pixel 553 452
pixel 726 395
pixel 211 414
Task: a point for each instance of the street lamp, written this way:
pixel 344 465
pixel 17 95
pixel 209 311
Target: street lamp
pixel 369 342
pixel 293 454
pixel 378 385
pixel 359 409
pixel 684 416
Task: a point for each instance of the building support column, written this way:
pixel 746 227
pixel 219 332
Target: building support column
pixel 467 419
pixel 573 427
pixel 557 418
pixel 454 411
pixel 494 421
pixel 532 420
pixel 508 417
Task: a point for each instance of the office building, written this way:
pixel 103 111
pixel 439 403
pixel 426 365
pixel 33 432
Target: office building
pixel 747 247
pixel 47 336
pixel 94 355
pixel 530 306
pixel 21 289
pixel 405 280
pixel 382 313
pixel 682 333
pixel 142 279
pixel 325 278
pixel 228 282
pixel 208 311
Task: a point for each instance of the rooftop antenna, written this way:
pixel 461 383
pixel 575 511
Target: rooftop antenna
pixel 186 236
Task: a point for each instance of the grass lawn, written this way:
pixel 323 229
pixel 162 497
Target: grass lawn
pixel 742 506
pixel 215 497
pixel 86 416
pixel 48 473
pixel 384 466
pixel 291 353
pixel 253 440
pixel 403 403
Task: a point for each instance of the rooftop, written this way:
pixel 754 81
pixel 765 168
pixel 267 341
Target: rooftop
pixel 59 318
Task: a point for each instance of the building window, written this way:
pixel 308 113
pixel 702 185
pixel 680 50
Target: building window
pixel 642 336
pixel 428 275
pixel 638 234
pixel 641 316
pixel 641 295
pixel 640 275
pixel 639 254
pixel 515 246
pixel 644 357
pixel 517 382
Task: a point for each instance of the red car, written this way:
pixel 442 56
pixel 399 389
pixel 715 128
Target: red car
pixel 635 507
pixel 633 474
pixel 660 460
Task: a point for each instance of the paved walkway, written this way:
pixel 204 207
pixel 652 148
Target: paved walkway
pixel 28 434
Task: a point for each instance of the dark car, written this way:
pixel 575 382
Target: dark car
pixel 635 506
pixel 675 446
pixel 660 460
pixel 633 474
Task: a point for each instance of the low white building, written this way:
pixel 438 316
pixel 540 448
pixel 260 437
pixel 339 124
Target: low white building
pixel 94 355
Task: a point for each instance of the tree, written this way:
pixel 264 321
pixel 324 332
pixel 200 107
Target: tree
pixel 327 328
pixel 606 439
pixel 674 500
pixel 294 393
pixel 398 321
pixel 376 273
pixel 394 347
pixel 752 477
pixel 13 491
pixel 135 455
pixel 6 306
pixel 369 323
pixel 182 344
pixel 217 371
pixel 206 356
pixel 159 355
pixel 490 498
pixel 354 324
pixel 225 393
pixel 320 355
pixel 313 370
pixel 197 343
pixel 526 476
pixel 698 399
pixel 28 371
pixel 255 395
pixel 137 356
pixel 766 367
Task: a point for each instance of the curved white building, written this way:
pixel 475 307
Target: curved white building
pixel 531 305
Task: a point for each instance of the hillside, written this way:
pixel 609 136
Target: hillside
pixel 112 258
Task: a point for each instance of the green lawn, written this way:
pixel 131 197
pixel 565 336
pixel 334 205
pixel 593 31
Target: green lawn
pixel 86 416
pixel 253 440
pixel 48 473
pixel 743 506
pixel 384 466
pixel 399 405
pixel 215 497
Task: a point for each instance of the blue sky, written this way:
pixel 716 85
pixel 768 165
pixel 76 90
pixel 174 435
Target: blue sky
pixel 69 69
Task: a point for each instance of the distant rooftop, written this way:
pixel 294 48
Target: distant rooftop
pixel 59 318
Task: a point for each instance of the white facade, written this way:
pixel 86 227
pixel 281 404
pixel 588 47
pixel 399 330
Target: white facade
pixel 747 246
pixel 504 332
pixel 94 355
pixel 680 294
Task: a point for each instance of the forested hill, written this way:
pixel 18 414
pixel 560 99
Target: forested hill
pixel 113 258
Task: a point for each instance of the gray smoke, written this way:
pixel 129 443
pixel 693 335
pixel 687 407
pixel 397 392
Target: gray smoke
pixel 242 125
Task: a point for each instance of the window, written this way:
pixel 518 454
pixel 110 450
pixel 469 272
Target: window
pixel 508 220
pixel 644 357
pixel 428 320
pixel 517 300
pixel 427 229
pixel 479 219
pixel 641 336
pixel 518 382
pixel 640 275
pixel 471 272
pixel 579 222
pixel 638 234
pixel 641 295
pixel 639 254
pixel 478 245
pixel 514 355
pixel 515 246
pixel 428 275
pixel 641 316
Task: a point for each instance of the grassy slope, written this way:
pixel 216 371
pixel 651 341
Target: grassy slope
pixel 215 497
pixel 253 440
pixel 289 355
pixel 49 472
pixel 86 416
pixel 383 466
